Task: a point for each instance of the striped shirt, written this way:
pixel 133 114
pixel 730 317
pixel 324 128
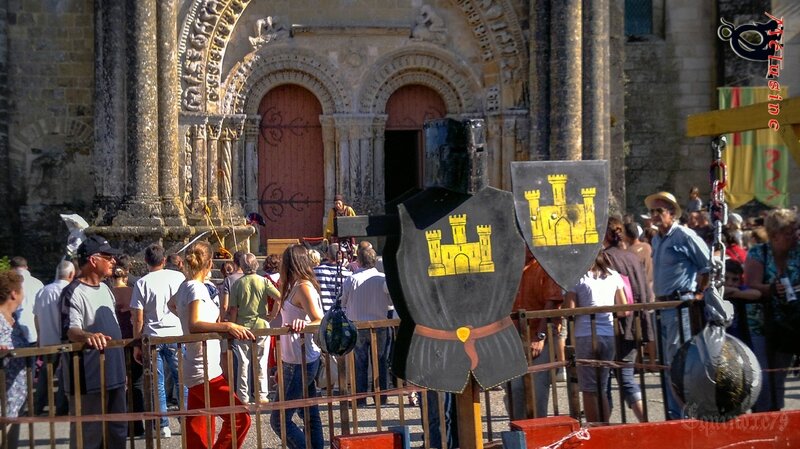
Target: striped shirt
pixel 326 276
pixel 365 297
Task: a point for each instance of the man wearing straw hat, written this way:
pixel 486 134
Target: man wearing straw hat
pixel 681 262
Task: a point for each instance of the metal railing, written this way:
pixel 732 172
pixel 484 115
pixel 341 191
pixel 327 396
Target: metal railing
pixel 339 404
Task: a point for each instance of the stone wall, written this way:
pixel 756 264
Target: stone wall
pixel 50 113
pixel 667 79
pixel 5 206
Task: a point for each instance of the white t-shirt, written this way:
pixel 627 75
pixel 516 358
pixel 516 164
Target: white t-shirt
pixel 208 310
pixel 30 288
pixel 596 292
pixel 48 313
pixel 151 294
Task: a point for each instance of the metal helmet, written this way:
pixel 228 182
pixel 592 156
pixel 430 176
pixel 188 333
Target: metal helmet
pixel 337 335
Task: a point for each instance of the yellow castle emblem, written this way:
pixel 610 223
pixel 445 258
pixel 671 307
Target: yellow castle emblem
pixel 562 223
pixel 460 257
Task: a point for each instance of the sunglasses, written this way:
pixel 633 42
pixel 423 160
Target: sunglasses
pixel 107 257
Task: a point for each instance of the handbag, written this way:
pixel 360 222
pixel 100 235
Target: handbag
pixel 626 281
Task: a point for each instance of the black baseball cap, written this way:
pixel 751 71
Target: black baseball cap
pixel 96 244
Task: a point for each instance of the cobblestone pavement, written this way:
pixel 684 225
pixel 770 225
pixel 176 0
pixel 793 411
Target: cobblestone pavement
pixel 390 415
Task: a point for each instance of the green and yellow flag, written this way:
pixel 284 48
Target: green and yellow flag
pixel 758 161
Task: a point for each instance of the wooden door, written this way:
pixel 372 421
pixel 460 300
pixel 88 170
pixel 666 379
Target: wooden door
pixel 408 108
pixel 290 163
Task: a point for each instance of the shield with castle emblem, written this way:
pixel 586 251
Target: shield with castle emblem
pixel 562 210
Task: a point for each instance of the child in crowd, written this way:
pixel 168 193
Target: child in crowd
pixel 738 293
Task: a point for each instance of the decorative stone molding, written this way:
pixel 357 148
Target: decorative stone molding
pixel 260 71
pixel 424 65
pixel 497 28
pixel 203 49
pixel 428 26
pixel 267 30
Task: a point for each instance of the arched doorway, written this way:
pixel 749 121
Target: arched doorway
pixel 408 108
pixel 290 163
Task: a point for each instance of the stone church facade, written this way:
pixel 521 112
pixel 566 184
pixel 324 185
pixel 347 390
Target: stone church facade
pixel 161 119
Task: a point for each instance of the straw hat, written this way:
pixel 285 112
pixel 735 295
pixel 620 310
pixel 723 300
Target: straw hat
pixel 664 196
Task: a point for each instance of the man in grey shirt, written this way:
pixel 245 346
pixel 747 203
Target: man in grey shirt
pixel 88 316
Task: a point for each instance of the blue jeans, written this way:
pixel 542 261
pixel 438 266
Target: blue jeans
pixel 516 399
pixel 450 420
pixel 362 352
pixel 670 340
pixel 627 378
pixel 293 389
pixel 166 354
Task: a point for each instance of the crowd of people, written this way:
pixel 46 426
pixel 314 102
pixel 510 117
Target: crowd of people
pixel 96 298
pixel 663 255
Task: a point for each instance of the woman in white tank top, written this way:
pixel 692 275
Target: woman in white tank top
pixel 300 306
pixel 199 314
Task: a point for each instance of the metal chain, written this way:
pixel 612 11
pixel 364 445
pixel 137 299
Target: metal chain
pixel 337 291
pixel 718 209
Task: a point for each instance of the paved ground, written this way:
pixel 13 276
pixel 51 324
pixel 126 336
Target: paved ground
pixel 390 417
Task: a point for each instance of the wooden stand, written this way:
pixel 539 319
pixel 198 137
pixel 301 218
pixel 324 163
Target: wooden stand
pixel 468 404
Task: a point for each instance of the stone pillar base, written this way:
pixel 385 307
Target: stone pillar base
pixel 172 211
pixel 139 213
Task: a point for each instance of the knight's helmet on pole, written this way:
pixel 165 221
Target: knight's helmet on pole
pixel 455 268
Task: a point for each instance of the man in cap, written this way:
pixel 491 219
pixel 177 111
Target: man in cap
pixel 681 262
pixel 88 316
pixel 151 316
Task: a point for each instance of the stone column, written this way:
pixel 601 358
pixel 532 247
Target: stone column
pixel 509 146
pixel 540 79
pixel 109 106
pixel 595 80
pixel 212 169
pixel 565 80
pixel 225 167
pixel 330 157
pixel 379 141
pixel 199 168
pixel 494 139
pixel 168 85
pixel 250 169
pixel 142 207
pixel 343 143
pixel 355 162
pixel 617 102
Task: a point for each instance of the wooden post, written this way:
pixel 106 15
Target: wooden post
pixel 468 404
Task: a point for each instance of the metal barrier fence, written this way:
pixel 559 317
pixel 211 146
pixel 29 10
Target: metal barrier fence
pixel 339 403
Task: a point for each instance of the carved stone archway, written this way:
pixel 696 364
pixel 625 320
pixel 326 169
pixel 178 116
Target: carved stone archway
pixel 272 66
pixel 426 66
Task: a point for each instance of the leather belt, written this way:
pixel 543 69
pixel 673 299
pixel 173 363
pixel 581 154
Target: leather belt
pixel 466 335
pixel 675 296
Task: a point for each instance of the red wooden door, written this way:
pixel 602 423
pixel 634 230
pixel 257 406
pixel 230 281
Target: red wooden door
pixel 410 106
pixel 407 108
pixel 290 163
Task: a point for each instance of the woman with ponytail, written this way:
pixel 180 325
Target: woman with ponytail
pixel 199 314
pixel 600 286
pixel 300 306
